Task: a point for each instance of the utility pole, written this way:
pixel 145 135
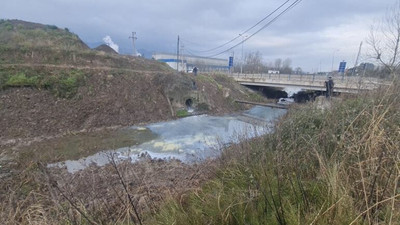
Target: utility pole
pixel 177 56
pixel 134 38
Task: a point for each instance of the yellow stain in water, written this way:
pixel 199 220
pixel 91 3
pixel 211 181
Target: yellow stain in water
pixel 166 147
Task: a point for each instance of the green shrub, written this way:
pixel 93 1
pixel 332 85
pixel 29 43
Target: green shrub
pixel 65 84
pixel 21 80
pixel 9 27
pixel 182 113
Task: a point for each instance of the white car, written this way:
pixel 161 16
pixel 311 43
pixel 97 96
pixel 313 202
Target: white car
pixel 285 101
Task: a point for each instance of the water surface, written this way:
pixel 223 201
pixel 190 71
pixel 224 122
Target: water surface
pixel 188 139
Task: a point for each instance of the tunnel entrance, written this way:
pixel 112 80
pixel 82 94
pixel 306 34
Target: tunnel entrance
pixel 189 103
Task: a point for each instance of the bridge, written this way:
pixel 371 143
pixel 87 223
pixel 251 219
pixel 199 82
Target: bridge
pixel 344 84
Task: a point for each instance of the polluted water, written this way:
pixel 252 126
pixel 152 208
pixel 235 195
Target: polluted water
pixel 190 139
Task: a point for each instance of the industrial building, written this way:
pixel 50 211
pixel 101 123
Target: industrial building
pixel 186 63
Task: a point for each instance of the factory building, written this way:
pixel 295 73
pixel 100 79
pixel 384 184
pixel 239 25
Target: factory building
pixel 186 63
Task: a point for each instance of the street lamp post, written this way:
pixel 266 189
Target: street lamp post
pixel 333 58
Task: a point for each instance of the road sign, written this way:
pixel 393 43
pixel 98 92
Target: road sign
pixel 230 61
pixel 342 67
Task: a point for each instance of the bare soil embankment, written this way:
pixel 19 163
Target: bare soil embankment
pixel 109 99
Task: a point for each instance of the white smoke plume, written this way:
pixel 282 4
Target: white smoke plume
pixel 107 39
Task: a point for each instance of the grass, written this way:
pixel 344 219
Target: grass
pixel 63 84
pixel 255 97
pixel 182 113
pixel 30 43
pixel 334 166
pixel 20 80
pixel 216 79
pixel 21 34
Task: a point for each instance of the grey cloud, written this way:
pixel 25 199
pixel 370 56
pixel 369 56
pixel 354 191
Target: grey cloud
pixel 206 24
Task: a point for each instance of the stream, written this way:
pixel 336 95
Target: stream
pixel 190 139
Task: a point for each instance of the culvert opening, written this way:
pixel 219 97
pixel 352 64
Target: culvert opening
pixel 189 103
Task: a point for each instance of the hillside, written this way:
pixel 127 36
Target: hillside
pixel 24 35
pixel 105 48
pixel 24 42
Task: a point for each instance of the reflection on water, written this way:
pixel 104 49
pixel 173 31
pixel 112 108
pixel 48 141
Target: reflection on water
pixel 189 139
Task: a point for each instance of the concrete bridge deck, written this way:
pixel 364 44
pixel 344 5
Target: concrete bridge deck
pixel 309 82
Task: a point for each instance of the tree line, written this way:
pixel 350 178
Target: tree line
pixel 253 63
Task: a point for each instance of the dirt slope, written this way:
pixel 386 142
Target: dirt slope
pixel 107 100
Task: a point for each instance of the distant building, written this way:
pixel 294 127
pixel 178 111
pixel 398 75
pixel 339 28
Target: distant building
pixel 186 63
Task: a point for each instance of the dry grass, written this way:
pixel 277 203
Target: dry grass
pixel 340 165
pixel 115 194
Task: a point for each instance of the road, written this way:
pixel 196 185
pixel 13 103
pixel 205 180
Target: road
pixel 309 82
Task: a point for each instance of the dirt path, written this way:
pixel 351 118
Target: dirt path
pixel 104 68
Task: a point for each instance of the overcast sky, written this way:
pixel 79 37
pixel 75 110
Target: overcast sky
pixel 312 34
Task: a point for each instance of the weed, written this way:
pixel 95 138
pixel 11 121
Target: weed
pixel 20 80
pixel 182 113
pixel 255 97
pixel 64 84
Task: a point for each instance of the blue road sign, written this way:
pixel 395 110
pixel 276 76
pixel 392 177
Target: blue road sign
pixel 342 67
pixel 230 61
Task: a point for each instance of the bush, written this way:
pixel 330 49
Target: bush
pixel 182 113
pixel 64 84
pixel 20 80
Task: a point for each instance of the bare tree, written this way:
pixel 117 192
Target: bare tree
pixel 298 70
pixel 384 40
pixel 278 63
pixel 286 66
pixel 253 62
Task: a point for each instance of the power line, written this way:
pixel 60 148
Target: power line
pixel 262 28
pixel 262 20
